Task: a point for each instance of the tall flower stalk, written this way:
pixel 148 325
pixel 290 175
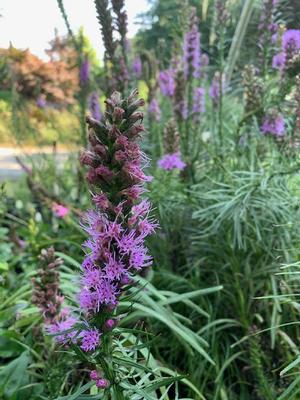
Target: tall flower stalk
pixel 94 106
pixel 191 48
pixel 106 24
pixel 121 23
pixel 222 17
pixel 84 79
pixel 113 18
pixel 267 31
pixel 117 226
pixel 46 291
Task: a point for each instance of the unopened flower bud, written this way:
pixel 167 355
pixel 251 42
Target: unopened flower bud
pixel 136 116
pixel 135 130
pixel 92 138
pixel 118 115
pixel 91 176
pixel 86 158
pixel 110 324
pixel 135 105
pixel 100 150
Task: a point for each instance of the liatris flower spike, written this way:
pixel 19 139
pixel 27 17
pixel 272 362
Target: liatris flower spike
pixel 84 72
pixel 167 82
pixel 198 102
pixel 180 105
pixel 120 20
pixel 191 48
pixel 137 66
pixel 291 41
pixel 171 137
pixel 154 110
pixel 46 293
pixel 253 89
pixel 119 223
pixel 289 49
pixel 215 89
pixel 106 24
pixel 171 161
pixel 273 124
pixel 95 106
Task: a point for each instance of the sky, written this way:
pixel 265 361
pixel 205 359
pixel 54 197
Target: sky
pixel 30 23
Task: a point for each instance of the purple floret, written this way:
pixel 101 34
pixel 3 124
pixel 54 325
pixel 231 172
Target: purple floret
pixel 171 161
pixel 273 125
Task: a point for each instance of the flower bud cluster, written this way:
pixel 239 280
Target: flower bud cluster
pixel 46 293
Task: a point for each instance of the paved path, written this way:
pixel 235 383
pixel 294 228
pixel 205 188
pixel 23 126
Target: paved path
pixel 10 169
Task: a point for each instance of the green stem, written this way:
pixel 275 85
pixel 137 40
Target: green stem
pixel 108 368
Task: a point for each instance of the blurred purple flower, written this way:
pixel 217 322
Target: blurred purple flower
pixel 84 73
pixel 171 161
pixel 95 106
pixel 214 90
pixel 290 47
pixel 278 61
pixel 137 66
pixel 41 102
pixel 204 60
pixel 182 109
pixel 273 125
pixel 291 40
pixel 167 82
pixel 127 45
pixel 192 50
pixel 154 110
pixel 199 100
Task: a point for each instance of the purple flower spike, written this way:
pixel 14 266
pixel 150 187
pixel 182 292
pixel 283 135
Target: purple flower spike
pixel 118 225
pixel 95 106
pixel 273 125
pixel 171 161
pixel 214 90
pixel 191 49
pixel 199 100
pixel 41 102
pixel 154 110
pixel 167 82
pixel 290 47
pixel 291 40
pixel 46 286
pixel 84 73
pixel 279 60
pixel 137 67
